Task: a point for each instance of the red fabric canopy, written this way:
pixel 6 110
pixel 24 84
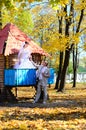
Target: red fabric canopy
pixel 13 37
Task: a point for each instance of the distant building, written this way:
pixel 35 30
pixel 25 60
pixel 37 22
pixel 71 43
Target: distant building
pixel 81 77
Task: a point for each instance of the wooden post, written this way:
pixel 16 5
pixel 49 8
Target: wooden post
pixel 2 66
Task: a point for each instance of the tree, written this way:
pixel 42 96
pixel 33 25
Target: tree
pixel 68 49
pixel 18 14
pixel 45 26
pixel 60 18
pixel 8 4
pixel 67 41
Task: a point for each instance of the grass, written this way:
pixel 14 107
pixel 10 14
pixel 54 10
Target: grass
pixel 63 111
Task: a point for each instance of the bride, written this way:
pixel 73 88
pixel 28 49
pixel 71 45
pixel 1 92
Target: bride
pixel 24 58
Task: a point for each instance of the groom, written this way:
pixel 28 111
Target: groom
pixel 43 73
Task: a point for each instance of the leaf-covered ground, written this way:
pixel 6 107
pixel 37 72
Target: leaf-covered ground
pixel 63 111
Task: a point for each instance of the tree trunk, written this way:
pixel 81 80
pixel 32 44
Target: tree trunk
pixel 64 70
pixel 0 20
pixel 60 57
pixel 67 56
pixel 59 72
pixel 75 64
pixel 74 67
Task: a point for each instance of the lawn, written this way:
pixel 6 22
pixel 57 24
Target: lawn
pixel 63 111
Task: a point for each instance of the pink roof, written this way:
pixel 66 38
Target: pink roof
pixel 14 38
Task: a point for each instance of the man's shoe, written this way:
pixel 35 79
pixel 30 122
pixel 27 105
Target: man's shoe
pixel 34 102
pixel 44 102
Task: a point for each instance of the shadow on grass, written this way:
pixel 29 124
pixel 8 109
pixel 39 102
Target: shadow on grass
pixel 27 103
pixel 18 115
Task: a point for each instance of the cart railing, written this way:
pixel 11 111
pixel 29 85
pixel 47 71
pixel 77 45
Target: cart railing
pixel 23 77
pixel 19 77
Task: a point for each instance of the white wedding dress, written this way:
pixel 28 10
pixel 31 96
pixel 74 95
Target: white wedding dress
pixel 23 60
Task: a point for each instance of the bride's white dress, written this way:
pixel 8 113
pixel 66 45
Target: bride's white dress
pixel 24 62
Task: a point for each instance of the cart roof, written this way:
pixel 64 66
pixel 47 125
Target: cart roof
pixel 13 37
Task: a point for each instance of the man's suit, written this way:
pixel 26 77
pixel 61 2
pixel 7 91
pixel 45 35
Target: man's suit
pixel 43 73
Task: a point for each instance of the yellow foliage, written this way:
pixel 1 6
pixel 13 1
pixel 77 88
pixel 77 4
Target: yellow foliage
pixel 80 5
pixel 59 43
pixel 30 1
pixel 75 39
pixel 61 13
pixel 63 2
pixel 47 29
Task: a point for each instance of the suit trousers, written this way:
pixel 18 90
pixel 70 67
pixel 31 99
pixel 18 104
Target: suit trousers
pixel 41 87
